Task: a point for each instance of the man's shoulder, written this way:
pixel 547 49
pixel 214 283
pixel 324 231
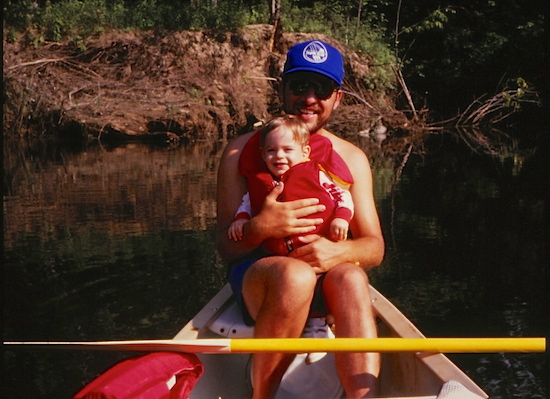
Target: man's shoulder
pixel 343 147
pixel 239 142
pixel 237 145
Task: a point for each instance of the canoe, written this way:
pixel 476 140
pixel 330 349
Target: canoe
pixel 403 374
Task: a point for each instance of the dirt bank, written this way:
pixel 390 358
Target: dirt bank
pixel 178 86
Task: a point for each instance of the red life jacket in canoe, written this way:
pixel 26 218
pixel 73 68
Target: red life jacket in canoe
pixel 160 375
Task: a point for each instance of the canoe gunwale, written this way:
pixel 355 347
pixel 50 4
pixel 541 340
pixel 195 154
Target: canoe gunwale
pixel 439 365
pixel 206 316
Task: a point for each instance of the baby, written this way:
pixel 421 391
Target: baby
pixel 284 147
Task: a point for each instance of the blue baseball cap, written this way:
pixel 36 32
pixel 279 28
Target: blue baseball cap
pixel 315 56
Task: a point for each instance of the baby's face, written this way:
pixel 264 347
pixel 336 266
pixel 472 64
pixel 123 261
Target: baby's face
pixel 281 151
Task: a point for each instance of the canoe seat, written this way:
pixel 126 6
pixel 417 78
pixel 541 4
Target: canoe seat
pixel 231 324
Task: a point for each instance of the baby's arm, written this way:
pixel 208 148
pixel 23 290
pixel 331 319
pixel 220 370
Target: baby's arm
pixel 344 208
pixel 235 231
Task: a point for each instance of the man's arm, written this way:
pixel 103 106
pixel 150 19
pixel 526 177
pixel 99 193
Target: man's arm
pixel 276 219
pixel 231 187
pixel 365 225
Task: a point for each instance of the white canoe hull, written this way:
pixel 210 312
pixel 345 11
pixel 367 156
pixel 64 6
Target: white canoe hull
pixel 403 375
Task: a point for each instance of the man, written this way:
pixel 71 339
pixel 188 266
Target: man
pixel 277 291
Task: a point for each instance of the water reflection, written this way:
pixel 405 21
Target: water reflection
pixel 129 190
pixel 118 244
pixel 465 257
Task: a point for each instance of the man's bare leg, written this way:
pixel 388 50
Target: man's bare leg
pixel 277 292
pixel 347 296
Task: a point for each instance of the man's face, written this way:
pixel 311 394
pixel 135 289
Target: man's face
pixel 310 96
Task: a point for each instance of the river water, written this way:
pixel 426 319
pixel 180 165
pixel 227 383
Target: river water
pixel 118 243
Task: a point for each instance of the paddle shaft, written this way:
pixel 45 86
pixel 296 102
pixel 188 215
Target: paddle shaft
pixel 435 345
pixel 304 345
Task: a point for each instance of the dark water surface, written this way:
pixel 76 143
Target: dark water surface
pixel 118 243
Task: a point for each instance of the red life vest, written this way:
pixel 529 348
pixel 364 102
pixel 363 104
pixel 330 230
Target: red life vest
pixel 160 375
pixel 259 180
pixel 303 183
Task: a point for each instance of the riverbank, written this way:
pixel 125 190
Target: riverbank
pixel 174 86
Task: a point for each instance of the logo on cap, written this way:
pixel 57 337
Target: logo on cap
pixel 315 52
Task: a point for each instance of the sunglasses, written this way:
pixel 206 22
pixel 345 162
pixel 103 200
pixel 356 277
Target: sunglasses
pixel 322 89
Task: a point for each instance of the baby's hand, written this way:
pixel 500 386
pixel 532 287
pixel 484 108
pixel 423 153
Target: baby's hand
pixel 235 231
pixel 339 229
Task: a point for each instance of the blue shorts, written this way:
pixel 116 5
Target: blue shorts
pixel 236 273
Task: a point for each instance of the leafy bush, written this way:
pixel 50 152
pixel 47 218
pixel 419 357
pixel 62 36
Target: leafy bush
pixel 338 19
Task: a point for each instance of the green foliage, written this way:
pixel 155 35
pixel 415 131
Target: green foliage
pixel 369 44
pixel 437 19
pixel 365 32
pixel 305 20
pixel 72 19
pixel 224 15
pixel 471 47
pixel 513 97
pixel 75 19
pixel 143 14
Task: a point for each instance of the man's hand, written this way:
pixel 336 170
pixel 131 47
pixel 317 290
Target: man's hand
pixel 322 254
pixel 283 219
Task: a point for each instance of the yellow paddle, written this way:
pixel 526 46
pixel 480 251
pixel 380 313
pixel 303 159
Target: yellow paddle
pixel 304 345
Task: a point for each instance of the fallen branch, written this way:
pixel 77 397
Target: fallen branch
pixel 399 76
pixel 38 62
pixel 498 107
pixel 361 99
pixel 475 126
pixel 72 105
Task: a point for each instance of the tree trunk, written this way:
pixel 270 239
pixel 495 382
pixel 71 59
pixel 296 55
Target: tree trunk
pixel 275 20
pixel 275 12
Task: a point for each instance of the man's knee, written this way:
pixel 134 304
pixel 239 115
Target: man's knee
pixel 283 274
pixel 348 299
pixel 348 285
pixel 297 275
pixel 347 276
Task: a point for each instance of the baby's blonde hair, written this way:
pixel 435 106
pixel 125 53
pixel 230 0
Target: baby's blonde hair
pixel 299 129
